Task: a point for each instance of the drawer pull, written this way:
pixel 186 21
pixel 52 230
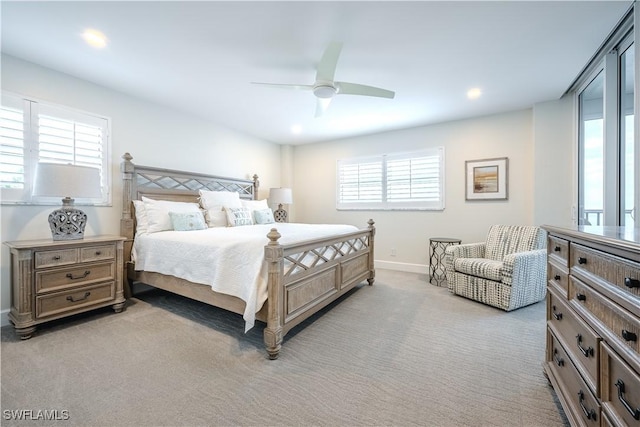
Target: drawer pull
pixel 84 297
pixel 557 316
pixel 586 351
pixel 629 336
pixel 556 277
pixel 557 249
pixel 72 277
pixel 559 360
pixel 631 283
pixel 57 258
pixel 589 413
pixel 581 297
pixel 582 260
pixel 635 413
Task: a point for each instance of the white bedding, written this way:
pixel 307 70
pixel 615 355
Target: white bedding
pixel 229 259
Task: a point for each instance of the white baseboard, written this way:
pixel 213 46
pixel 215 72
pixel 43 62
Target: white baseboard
pixel 403 266
pixel 4 317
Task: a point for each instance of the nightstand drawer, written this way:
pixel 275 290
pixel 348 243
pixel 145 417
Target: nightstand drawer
pixel 51 280
pixel 61 302
pixel 97 253
pixel 54 258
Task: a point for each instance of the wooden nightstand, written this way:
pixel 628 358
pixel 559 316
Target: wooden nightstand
pixel 54 279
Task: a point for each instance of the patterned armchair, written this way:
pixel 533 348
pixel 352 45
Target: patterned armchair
pixel 507 271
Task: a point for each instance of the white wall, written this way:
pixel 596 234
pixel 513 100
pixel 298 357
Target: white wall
pixel 504 135
pixel 555 166
pixel 153 134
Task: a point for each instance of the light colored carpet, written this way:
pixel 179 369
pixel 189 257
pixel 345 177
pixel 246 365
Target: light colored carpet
pixel 401 352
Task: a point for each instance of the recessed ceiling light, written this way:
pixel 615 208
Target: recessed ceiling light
pixel 296 129
pixel 474 93
pixel 95 38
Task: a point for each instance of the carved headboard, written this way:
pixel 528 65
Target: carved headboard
pixel 167 184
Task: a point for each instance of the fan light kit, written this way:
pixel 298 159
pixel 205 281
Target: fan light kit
pixel 325 88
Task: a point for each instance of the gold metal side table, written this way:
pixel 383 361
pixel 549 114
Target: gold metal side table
pixel 437 248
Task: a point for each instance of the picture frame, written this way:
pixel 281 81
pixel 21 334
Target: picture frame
pixel 487 179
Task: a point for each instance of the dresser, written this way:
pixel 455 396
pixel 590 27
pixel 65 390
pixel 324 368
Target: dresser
pixel 54 279
pixel 593 323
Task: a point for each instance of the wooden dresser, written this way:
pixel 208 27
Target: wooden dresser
pixel 54 279
pixel 593 324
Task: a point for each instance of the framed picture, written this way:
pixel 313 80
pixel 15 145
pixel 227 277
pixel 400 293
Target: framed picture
pixel 487 179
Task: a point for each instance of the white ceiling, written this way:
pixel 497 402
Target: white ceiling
pixel 201 56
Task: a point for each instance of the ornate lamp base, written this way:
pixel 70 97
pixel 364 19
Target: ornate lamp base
pixel 280 214
pixel 67 223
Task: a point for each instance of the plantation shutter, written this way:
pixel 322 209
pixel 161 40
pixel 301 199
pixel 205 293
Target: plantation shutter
pixel 412 181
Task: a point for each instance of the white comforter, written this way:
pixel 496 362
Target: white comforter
pixel 229 259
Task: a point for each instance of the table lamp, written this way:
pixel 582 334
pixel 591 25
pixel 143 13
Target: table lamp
pixel 280 196
pixel 63 180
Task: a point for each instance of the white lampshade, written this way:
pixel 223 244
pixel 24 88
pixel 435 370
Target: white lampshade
pixel 281 196
pixel 53 180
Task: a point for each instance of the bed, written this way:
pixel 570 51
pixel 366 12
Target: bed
pixel 301 276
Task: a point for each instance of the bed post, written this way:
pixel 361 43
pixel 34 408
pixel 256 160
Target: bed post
pixel 126 221
pixel 372 270
pixel 256 185
pixel 274 255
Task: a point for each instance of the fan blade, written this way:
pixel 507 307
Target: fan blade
pixel 357 89
pixel 327 66
pixel 321 106
pixel 285 86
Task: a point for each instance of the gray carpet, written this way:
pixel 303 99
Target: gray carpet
pixel 401 353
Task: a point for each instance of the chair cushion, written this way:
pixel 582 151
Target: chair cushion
pixel 479 267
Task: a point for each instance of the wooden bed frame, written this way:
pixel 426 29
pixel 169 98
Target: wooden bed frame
pixel 302 277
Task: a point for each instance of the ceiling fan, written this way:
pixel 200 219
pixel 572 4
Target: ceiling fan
pixel 325 88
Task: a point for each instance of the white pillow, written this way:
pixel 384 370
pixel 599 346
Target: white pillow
pixel 214 202
pixel 158 213
pixel 238 216
pixel 255 205
pixel 263 216
pixel 142 223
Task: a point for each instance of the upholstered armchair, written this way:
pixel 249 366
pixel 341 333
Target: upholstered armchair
pixel 507 271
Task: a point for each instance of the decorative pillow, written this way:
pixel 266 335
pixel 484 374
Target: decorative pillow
pixel 187 221
pixel 263 216
pixel 214 201
pixel 142 223
pixel 158 213
pixel 238 216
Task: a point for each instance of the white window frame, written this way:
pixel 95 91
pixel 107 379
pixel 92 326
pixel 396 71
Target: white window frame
pixel 31 108
pixel 383 202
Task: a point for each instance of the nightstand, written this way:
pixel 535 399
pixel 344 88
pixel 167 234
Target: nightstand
pixel 55 279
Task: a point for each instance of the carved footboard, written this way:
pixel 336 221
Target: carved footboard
pixel 305 277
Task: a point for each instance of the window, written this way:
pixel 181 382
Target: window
pixel 32 132
pixel 409 181
pixel 608 166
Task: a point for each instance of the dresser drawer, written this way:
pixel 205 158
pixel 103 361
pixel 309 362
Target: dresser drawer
pixel 579 340
pixel 57 257
pixel 559 277
pixel 74 300
pixel 97 253
pixel 622 327
pixel 619 273
pixel 78 275
pixel 558 250
pixel 620 388
pixel 584 407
